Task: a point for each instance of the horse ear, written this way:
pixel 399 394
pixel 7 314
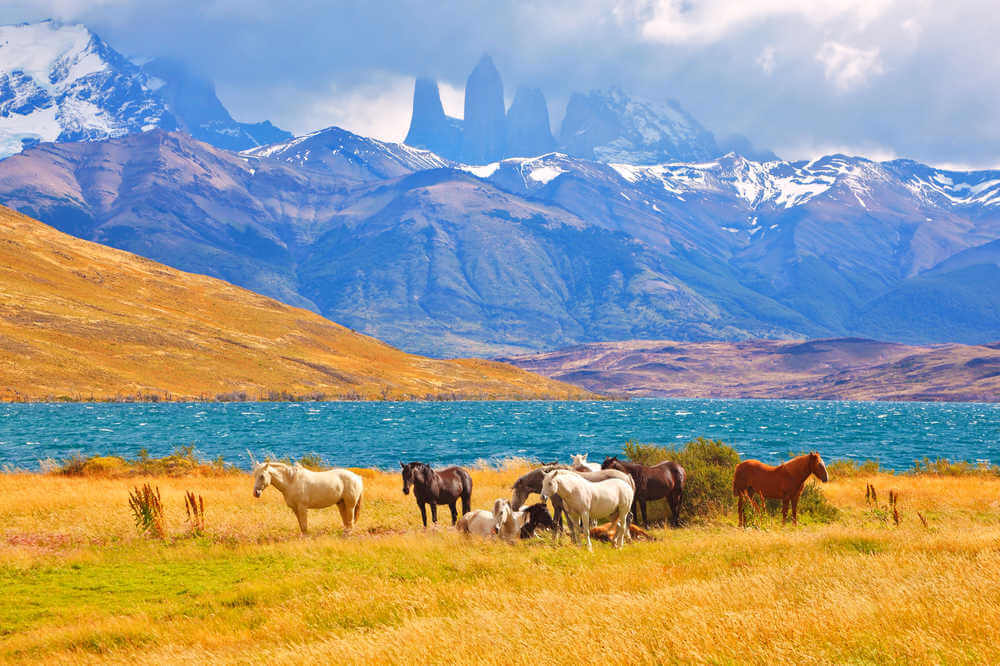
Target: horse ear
pixel 402 465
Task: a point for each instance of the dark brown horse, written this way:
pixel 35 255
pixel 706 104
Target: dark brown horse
pixel 444 486
pixel 538 517
pixel 784 482
pixel 662 481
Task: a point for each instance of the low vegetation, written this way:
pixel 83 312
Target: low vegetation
pixel 82 585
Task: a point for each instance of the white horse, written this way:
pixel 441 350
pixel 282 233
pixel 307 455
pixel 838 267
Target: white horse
pixel 580 464
pixel 584 500
pixel 304 489
pixel 508 522
pixel 478 522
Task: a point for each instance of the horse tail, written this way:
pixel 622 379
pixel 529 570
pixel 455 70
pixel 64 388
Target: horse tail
pixel 357 509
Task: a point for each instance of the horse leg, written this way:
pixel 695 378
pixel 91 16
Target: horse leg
pixel 434 513
pixel 423 512
pixel 645 515
pixel 466 502
pixel 454 513
pixel 300 513
pixel 784 510
pixel 585 521
pixel 346 514
pixel 740 509
pixel 795 507
pixel 675 506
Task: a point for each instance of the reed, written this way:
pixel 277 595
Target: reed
pixel 147 511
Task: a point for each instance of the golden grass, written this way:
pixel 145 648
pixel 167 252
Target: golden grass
pixel 81 586
pixel 80 321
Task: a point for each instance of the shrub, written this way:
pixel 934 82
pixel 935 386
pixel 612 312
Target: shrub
pixel 708 464
pixel 313 461
pixel 945 467
pixel 147 510
pixel 853 468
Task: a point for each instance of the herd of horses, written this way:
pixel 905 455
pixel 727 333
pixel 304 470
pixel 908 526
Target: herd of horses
pixel 583 492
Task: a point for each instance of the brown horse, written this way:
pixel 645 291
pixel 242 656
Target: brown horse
pixel 662 481
pixel 444 486
pixel 784 482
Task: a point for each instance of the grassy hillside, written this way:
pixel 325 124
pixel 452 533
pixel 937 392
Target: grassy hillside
pixel 82 321
pixel 80 586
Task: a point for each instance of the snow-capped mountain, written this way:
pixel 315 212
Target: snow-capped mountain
pixel 609 126
pixel 350 156
pixel 546 251
pixel 64 83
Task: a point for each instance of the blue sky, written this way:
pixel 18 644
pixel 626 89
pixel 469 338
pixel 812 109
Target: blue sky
pixel 882 78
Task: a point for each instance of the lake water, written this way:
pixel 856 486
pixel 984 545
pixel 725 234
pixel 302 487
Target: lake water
pixel 382 433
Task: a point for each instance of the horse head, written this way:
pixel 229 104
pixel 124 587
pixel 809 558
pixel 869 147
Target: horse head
pixel 261 477
pixel 613 463
pixel 414 472
pixel 550 485
pixel 501 513
pixel 579 459
pixel 818 467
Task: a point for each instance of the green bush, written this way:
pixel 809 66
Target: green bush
pixel 945 467
pixel 708 464
pixel 853 468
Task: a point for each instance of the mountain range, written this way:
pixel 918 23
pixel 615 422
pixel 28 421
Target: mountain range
pixel 601 125
pixel 539 253
pixel 64 83
pixel 443 254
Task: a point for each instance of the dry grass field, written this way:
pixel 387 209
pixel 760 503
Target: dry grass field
pixel 79 585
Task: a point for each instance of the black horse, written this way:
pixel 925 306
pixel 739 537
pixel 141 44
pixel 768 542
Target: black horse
pixel 663 481
pixel 538 517
pixel 444 486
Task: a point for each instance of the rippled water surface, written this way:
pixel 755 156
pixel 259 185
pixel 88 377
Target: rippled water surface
pixel 380 434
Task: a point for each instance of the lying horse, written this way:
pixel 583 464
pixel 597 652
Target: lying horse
pixel 508 522
pixel 532 483
pixel 538 517
pixel 580 464
pixel 304 489
pixel 784 482
pixel 605 533
pixel 663 481
pixel 479 522
pixel 583 500
pixel 432 487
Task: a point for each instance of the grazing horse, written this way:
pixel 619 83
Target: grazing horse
pixel 444 486
pixel 538 517
pixel 532 483
pixel 583 500
pixel 580 464
pixel 508 521
pixel 784 482
pixel 479 522
pixel 304 489
pixel 662 481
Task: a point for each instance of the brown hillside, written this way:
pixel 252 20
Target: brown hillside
pixel 837 369
pixel 79 321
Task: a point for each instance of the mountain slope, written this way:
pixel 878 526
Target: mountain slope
pixel 83 321
pixel 839 369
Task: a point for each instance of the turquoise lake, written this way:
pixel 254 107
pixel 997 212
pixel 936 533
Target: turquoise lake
pixel 380 434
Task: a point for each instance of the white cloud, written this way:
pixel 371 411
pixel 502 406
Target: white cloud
pixel 707 21
pixel 766 59
pixel 847 66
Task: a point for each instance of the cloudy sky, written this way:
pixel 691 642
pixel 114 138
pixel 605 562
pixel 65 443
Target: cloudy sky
pixel 881 78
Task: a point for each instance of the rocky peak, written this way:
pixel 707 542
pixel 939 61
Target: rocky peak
pixel 528 132
pixel 485 115
pixel 430 128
